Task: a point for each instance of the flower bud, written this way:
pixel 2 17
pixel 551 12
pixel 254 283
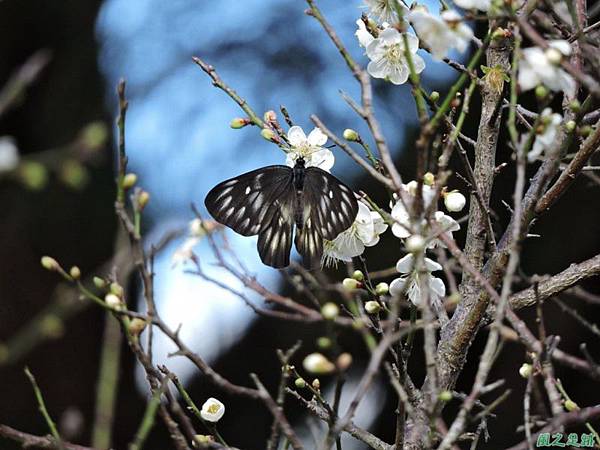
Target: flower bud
pixel 201 439
pixel 330 311
pixel 382 288
pixel 74 174
pixel 143 199
pixel 541 92
pixel 117 289
pixel 33 175
pixel 372 307
pixel 575 106
pixel 324 343
pixel 136 326
pixel 553 55
pixel 570 405
pixel 454 201
pixel 52 326
pixel 344 361
pixel 434 96
pixel 113 301
pixel 270 116
pixel 350 284
pixel 318 364
pixel 358 275
pixel 570 126
pixel 99 283
pixel 212 410
pixel 585 131
pixel 129 180
pixel 351 135
pixel 49 263
pixel 268 134
pixel 316 384
pixel 300 383
pixel 94 135
pixel 238 123
pixel 75 273
pixel 525 370
pixel 429 179
pixel 445 396
pixel 499 33
pixel 415 243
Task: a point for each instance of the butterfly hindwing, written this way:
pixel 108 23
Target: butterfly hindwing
pixel 333 205
pixel 309 244
pixel 275 239
pixel 246 203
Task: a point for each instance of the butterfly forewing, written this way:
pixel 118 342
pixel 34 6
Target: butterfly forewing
pixel 333 205
pixel 246 203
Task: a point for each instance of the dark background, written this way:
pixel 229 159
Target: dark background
pixel 77 226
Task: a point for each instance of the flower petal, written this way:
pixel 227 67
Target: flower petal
pixel 317 138
pixel 405 264
pixel 323 159
pixel 296 136
pixel 397 285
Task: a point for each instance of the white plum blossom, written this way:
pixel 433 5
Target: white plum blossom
pixel 310 148
pixel 442 33
pixel 362 34
pixel 318 364
pixel 446 224
pixel 185 252
pixel 364 232
pixel 538 66
pixel 212 410
pixel 406 266
pixel 9 154
pixel 388 61
pixel 401 215
pixel 482 5
pixel 384 10
pixel 545 140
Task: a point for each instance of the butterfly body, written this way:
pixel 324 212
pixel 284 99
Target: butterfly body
pixel 272 200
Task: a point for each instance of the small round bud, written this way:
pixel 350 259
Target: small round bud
pixel 324 343
pixel 202 439
pixel 94 135
pixel 575 106
pixel 33 175
pixel 117 289
pixel 52 326
pixel 553 55
pixel 49 263
pixel 300 383
pixel 238 123
pixel 350 284
pixel 270 116
pixel 143 199
pixel 525 370
pixel 445 396
pixel 541 92
pixel 330 311
pixel 570 126
pixel 316 384
pixel 344 361
pixel 99 283
pixel 372 307
pixel 74 174
pixel 136 326
pixel 75 273
pixel 415 243
pixel 585 131
pixel 129 180
pixel 454 201
pixel 267 134
pixel 113 301
pixel 434 96
pixel 318 364
pixel 358 275
pixel 382 288
pixel 429 179
pixel 499 33
pixel 351 135
pixel 455 103
pixel 570 405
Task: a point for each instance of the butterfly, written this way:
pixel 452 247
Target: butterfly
pixel 270 201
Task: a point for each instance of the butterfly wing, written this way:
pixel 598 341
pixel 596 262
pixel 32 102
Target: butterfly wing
pixel 275 239
pixel 332 205
pixel 246 203
pixel 309 244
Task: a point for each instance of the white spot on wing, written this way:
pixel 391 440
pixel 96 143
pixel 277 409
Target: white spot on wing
pixel 248 190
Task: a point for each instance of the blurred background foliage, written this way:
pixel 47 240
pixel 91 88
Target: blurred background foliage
pixel 59 200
